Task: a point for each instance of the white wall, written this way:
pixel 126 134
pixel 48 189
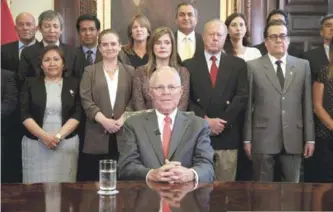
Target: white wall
pixel 35 7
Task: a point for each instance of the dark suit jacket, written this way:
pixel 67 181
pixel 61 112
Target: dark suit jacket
pixel 95 98
pixel 9 93
pixel 10 56
pixel 81 62
pixel 199 46
pixel 226 101
pixel 292 50
pixel 190 145
pixel 317 59
pixel 30 62
pixel 33 101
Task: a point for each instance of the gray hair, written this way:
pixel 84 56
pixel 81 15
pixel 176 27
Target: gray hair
pixel 163 69
pixel 50 15
pixel 216 21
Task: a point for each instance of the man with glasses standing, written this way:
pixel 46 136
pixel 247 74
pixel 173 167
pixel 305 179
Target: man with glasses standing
pixel 279 121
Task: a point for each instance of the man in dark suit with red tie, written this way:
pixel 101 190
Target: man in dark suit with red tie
pixel 218 93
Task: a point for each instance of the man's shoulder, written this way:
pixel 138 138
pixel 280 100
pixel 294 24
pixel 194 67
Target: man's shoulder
pixel 313 52
pixel 10 45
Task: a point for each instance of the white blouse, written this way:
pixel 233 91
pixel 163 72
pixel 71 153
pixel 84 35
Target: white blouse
pixel 250 53
pixel 112 86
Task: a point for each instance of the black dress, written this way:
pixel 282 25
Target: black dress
pixel 324 136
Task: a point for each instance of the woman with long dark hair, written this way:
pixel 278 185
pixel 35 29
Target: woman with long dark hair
pixel 237 42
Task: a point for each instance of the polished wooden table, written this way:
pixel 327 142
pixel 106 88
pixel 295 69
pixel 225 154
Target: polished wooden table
pixel 138 196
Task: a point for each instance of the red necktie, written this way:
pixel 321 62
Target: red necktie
pixel 213 71
pixel 165 206
pixel 166 135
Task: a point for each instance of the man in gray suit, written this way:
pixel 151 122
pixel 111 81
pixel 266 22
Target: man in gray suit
pixel 279 114
pixel 153 140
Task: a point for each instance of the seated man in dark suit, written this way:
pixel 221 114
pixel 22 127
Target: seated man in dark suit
pixel 278 14
pixel 188 42
pixel 88 28
pixel 50 24
pixel 166 134
pixel 25 27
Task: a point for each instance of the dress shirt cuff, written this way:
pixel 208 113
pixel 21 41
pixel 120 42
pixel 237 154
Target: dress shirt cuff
pixel 148 174
pixel 196 178
pixel 310 142
pixel 246 142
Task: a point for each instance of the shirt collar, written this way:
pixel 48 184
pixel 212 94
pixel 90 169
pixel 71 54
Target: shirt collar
pixel 45 44
pixel 172 115
pixel 209 55
pixel 85 49
pixel 273 59
pixel 181 36
pixel 20 44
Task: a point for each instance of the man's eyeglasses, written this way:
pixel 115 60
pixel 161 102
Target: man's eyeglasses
pixel 161 88
pixel 274 37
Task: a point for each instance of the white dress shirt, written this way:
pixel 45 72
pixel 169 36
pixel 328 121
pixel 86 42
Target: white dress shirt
pixel 283 63
pixel 209 61
pixel 327 50
pixel 46 44
pixel 181 43
pixel 112 86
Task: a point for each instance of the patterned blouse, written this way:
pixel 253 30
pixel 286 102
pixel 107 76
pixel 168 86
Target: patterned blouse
pixel 140 94
pixel 321 130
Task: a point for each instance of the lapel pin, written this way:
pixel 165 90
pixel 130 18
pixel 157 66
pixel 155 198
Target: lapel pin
pixel 71 92
pixel 291 73
pixel 228 102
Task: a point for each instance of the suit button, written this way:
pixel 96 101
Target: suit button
pixel 198 100
pixel 283 112
pixel 228 102
pixel 283 98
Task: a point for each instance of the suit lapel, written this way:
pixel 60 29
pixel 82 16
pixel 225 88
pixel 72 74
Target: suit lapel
pixel 43 95
pixel 151 126
pixel 290 73
pixel 179 128
pixel 204 75
pixel 104 96
pixel 98 56
pixel 120 91
pixel 270 72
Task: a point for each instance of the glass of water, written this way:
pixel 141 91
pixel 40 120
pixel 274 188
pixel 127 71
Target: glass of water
pixel 107 177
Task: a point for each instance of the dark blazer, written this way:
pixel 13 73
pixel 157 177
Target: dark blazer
pixel 29 65
pixel 9 93
pixel 10 56
pixel 95 98
pixel 227 100
pixel 80 61
pixel 317 59
pixel 33 101
pixel 292 50
pixel 199 46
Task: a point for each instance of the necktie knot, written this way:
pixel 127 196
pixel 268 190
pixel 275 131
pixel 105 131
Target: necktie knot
pixel 89 52
pixel 167 120
pixel 213 58
pixel 278 62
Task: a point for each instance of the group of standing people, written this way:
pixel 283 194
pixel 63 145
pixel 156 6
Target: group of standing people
pixel 72 101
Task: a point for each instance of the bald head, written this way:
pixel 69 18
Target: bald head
pixel 215 32
pixel 165 89
pixel 165 72
pixel 25 27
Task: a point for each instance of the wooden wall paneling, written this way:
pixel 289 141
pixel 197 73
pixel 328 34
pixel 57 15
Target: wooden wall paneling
pixel 70 11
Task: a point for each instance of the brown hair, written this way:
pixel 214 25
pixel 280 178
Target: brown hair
pixel 159 32
pixel 144 22
pixel 228 47
pixel 58 50
pixel 330 65
pixel 107 31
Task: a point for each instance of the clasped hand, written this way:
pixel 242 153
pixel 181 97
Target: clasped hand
pixel 171 172
pixel 112 125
